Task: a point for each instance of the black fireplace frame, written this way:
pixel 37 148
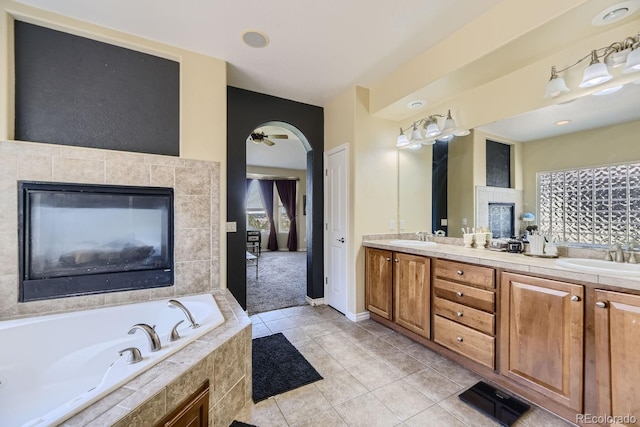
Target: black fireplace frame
pixel 88 284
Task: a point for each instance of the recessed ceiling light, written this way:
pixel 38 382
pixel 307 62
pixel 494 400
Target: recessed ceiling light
pixel 253 38
pixel 616 12
pixel 563 122
pixel 416 104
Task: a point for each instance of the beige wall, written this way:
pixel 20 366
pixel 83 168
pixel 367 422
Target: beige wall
pixel 414 189
pixel 604 146
pixel 301 190
pixel 202 94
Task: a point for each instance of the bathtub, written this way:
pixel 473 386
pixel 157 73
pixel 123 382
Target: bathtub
pixel 52 367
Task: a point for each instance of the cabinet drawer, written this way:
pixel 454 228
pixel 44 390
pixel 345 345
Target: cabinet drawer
pixel 467 273
pixel 476 319
pixel 467 295
pixel 466 341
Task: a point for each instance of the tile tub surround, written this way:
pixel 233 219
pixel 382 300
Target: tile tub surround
pixel 513 262
pixel 223 356
pixel 197 216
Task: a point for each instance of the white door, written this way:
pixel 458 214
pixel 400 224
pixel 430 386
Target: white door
pixel 336 214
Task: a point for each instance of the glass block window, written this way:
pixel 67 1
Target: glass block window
pixel 599 206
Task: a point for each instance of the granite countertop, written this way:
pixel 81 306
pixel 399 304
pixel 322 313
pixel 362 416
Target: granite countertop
pixel 508 261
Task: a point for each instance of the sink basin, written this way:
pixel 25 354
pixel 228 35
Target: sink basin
pixel 596 266
pixel 417 243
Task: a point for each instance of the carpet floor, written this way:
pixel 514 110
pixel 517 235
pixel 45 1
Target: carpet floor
pixel 281 282
pixel 278 367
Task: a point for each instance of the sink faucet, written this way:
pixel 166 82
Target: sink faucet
pixel 619 256
pixel 175 303
pixel 154 339
pixel 422 235
pixel 440 233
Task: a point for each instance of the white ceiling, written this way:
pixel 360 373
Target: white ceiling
pixel 317 49
pixel 587 112
pixel 286 153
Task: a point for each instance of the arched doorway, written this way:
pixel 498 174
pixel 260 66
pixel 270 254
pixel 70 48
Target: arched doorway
pixel 246 111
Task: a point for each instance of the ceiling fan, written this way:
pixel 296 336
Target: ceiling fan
pixel 258 136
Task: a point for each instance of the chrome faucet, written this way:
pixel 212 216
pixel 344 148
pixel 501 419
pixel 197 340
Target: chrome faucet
pixel 154 339
pixel 619 256
pixel 440 233
pixel 422 235
pixel 175 303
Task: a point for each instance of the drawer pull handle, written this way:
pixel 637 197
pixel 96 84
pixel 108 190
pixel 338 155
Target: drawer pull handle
pixel 460 272
pixel 388 259
pixel 460 294
pixel 459 314
pixel 575 298
pixel 601 304
pixel 396 260
pixel 459 339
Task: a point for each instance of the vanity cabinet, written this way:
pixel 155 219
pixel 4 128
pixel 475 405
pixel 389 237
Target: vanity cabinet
pixel 378 282
pixel 412 292
pixel 398 289
pixel 193 412
pixel 542 336
pixel 617 339
pixel 464 310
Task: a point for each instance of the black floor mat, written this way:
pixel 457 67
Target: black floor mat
pixel 278 367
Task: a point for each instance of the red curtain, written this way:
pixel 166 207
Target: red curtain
pixel 287 191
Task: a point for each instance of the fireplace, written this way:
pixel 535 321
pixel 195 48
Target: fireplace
pixel 79 239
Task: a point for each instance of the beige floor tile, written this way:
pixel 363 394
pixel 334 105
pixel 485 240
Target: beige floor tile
pixel 272 315
pixel 466 413
pixel 263 414
pixel 404 363
pixel 297 311
pixel 280 325
pixel 318 329
pixel 352 357
pixel 323 363
pixel 334 343
pixel 340 387
pixel 433 417
pixel 433 385
pixel 536 416
pixel 456 373
pixel 302 403
pixel 260 330
pixel 377 348
pixel 402 399
pixel 374 327
pixel 296 336
pixel 305 319
pixel 357 333
pixel 397 340
pixel 255 319
pixel 366 411
pixel 374 374
pixel 325 419
pixel 423 354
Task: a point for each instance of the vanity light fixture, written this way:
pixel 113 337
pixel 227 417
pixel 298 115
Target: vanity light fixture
pixel 432 131
pixel 626 52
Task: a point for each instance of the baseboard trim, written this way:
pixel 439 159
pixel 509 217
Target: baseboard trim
pixel 357 317
pixel 315 301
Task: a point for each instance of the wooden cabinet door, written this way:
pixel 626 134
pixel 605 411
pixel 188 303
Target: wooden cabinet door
pixel 542 336
pixel 412 292
pixel 193 412
pixel 617 320
pixel 378 282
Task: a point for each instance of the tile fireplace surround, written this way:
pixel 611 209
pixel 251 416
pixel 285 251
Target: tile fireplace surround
pixel 197 216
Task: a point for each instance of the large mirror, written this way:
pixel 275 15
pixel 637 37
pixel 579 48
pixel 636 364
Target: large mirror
pixel 602 130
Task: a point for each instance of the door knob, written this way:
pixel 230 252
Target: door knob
pixel 340 240
pixel 575 298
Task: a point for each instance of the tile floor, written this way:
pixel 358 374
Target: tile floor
pixel 373 376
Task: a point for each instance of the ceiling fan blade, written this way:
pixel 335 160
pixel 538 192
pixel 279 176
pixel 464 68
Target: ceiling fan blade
pixel 268 143
pixel 278 136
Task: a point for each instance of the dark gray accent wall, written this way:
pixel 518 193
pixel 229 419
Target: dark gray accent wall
pixel 72 90
pixel 246 111
pixel 498 164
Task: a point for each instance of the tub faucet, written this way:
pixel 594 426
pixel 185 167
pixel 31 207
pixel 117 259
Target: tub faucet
pixel 175 303
pixel 619 257
pixel 154 339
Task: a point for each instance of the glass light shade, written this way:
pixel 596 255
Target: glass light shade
pixel 449 125
pixel 595 74
pixel 461 132
pixel 415 134
pixel 446 137
pixel 633 62
pixel 415 147
pixel 608 90
pixel 403 141
pixel 433 129
pixel 555 87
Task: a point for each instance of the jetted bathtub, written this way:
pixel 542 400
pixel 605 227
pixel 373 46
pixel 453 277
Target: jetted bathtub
pixel 52 367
